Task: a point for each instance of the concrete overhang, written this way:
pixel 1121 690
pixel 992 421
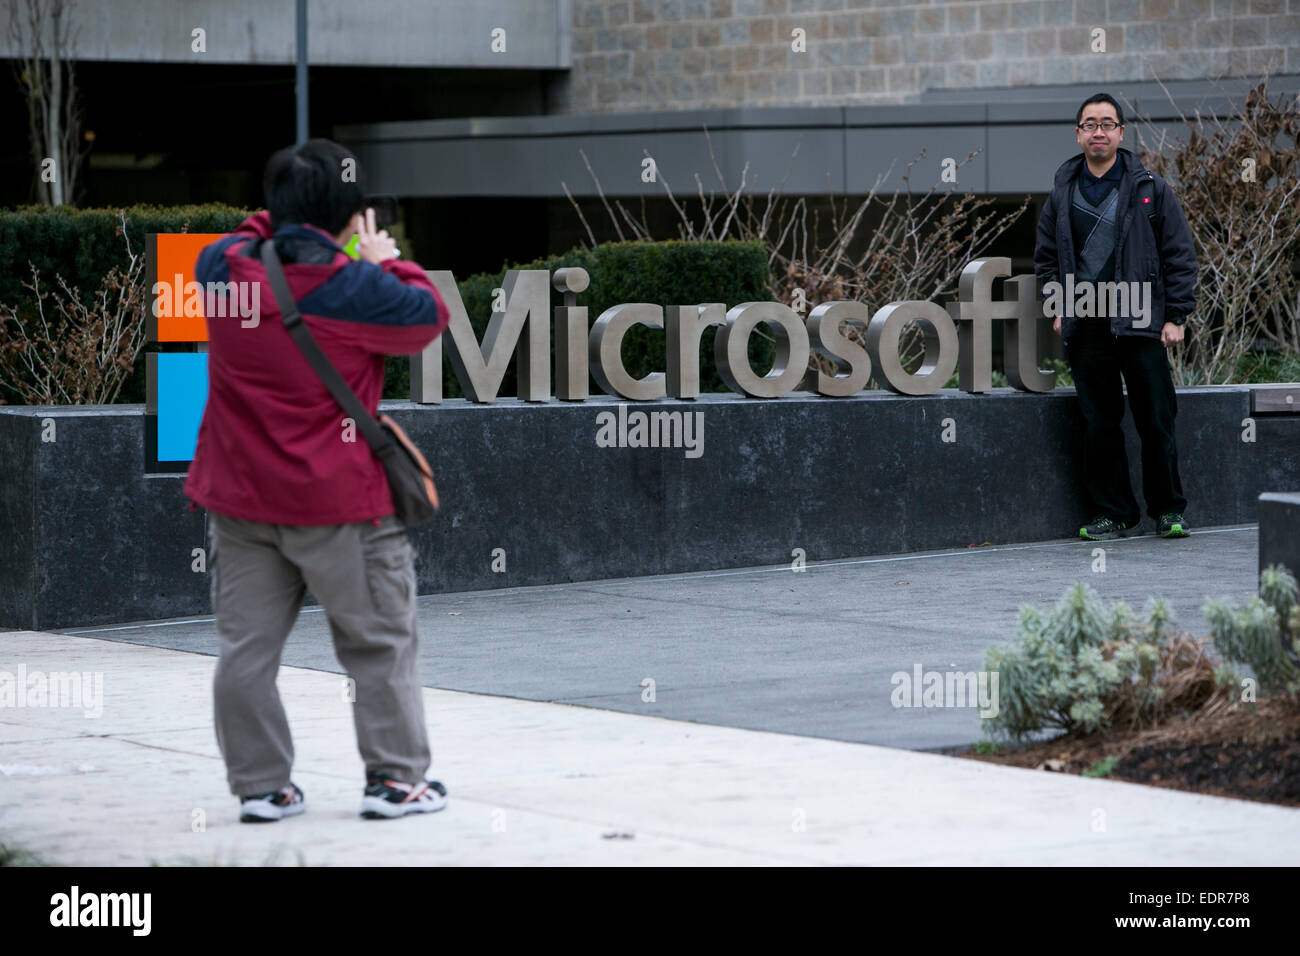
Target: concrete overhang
pixel 1020 136
pixel 447 34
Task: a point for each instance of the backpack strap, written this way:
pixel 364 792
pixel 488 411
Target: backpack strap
pixel 1146 197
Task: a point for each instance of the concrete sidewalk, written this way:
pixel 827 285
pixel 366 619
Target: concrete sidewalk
pixel 776 683
pixel 544 783
pixel 809 653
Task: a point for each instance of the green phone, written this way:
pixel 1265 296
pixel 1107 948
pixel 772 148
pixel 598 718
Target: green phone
pixel 386 214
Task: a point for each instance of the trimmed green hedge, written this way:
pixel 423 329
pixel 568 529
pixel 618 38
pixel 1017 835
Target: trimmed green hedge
pixel 83 245
pixel 661 273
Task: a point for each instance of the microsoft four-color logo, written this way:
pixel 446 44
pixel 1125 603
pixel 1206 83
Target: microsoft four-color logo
pixel 177 382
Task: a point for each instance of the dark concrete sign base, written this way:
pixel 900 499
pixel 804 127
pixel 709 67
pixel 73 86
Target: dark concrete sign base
pixel 1279 530
pixel 553 492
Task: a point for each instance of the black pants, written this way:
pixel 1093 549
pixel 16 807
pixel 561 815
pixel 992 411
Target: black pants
pixel 1097 360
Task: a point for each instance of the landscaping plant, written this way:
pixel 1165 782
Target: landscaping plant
pixel 1263 634
pixel 1085 667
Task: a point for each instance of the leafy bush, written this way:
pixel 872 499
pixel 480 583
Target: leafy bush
pixel 1264 634
pixel 1102 768
pixel 1269 367
pixel 1084 667
pixel 1064 378
pixel 1253 369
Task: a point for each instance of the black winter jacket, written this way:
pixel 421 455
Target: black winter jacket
pixel 1168 263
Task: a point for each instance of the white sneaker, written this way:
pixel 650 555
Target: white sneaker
pixel 385 799
pixel 266 807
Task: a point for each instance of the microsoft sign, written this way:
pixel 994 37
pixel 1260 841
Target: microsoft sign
pixel 958 337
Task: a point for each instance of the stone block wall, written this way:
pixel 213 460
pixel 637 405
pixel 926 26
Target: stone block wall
pixel 634 55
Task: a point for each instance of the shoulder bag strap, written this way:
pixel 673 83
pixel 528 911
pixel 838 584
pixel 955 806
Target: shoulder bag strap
pixel 370 430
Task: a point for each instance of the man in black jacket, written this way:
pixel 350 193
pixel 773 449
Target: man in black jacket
pixel 1116 265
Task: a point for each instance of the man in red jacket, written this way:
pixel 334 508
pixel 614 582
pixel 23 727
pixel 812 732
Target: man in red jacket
pixel 295 500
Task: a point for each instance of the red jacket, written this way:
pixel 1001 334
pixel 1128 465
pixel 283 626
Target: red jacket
pixel 271 445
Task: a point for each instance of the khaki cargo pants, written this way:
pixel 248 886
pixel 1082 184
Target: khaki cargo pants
pixel 364 577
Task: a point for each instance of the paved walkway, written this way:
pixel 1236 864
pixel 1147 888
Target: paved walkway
pixel 539 783
pixel 809 653
pixel 543 782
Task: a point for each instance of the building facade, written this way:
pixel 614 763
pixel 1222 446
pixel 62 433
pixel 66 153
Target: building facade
pixel 646 55
pixel 483 117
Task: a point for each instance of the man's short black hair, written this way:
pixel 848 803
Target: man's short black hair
pixel 1101 98
pixel 314 183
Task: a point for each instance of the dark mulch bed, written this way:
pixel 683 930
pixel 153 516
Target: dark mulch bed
pixel 1248 752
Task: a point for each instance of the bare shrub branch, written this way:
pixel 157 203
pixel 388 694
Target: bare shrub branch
pixel 1238 182
pixel 75 352
pixel 917 250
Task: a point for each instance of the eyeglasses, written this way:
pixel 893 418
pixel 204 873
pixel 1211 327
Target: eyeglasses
pixel 1090 127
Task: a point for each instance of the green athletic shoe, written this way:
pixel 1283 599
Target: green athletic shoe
pixel 1104 529
pixel 1172 525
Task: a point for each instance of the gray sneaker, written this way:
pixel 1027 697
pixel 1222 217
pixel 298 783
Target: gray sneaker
pixel 1105 529
pixel 1172 525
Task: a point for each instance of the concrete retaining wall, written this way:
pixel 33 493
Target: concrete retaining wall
pixel 86 537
